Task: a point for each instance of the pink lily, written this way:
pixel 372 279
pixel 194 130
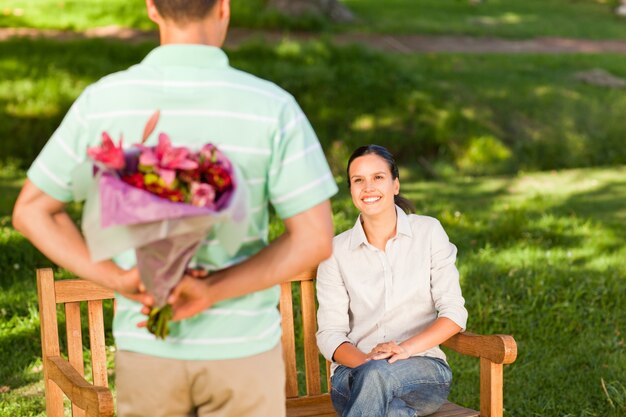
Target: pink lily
pixel 202 195
pixel 107 153
pixel 166 159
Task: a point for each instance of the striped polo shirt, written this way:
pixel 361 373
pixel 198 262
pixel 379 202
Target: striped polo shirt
pixel 259 126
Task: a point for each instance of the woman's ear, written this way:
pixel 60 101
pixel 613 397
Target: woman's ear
pixel 396 186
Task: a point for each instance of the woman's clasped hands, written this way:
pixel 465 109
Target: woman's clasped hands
pixel 388 350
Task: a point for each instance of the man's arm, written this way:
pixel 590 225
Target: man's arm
pixel 45 223
pixel 307 241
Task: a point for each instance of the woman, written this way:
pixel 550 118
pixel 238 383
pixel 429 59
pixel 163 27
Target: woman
pixel 388 296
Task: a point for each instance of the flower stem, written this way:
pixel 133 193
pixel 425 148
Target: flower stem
pixel 158 321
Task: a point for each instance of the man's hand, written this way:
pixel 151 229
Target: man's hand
pixel 188 298
pixel 192 295
pixel 44 221
pixel 129 285
pixel 391 350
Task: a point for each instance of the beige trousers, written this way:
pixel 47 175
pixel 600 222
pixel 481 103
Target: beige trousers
pixel 148 386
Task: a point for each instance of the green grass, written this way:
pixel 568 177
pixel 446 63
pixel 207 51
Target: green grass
pixel 80 15
pixel 593 19
pixel 541 254
pixel 475 114
pixel 73 14
pixel 541 257
pixel 498 18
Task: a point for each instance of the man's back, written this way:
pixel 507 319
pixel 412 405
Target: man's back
pixel 256 124
pixel 224 356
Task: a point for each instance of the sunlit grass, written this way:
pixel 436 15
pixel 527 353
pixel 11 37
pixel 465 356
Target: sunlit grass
pixel 451 113
pixel 541 257
pixel 494 18
pixel 81 15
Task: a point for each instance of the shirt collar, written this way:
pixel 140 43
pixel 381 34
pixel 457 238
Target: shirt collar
pixel 403 227
pixel 192 55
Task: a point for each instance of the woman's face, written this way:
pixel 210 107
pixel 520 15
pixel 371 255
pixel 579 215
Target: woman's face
pixel 371 185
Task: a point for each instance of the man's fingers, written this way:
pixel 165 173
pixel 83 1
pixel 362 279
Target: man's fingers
pixel 175 294
pixel 197 273
pixel 145 299
pixel 180 313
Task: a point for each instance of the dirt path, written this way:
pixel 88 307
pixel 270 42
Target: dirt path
pixel 389 43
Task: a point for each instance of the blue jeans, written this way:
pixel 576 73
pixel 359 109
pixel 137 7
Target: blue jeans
pixel 412 387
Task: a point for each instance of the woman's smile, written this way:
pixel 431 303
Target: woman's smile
pixel 370 200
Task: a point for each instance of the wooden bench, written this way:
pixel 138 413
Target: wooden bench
pixel 66 376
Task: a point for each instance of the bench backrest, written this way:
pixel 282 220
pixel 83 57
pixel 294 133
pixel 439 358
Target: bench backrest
pixel 70 294
pixel 302 287
pixel 297 303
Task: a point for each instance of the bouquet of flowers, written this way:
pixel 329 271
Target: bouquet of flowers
pixel 160 200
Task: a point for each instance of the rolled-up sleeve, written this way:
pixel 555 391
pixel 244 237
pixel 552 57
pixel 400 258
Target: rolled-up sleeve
pixel 332 315
pixel 445 286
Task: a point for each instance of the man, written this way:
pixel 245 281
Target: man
pixel 225 361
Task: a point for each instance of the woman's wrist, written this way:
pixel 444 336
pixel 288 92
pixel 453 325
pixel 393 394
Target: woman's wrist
pixel 409 347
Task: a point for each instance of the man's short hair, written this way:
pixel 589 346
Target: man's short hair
pixel 184 10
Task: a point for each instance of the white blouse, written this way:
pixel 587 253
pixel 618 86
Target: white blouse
pixel 367 296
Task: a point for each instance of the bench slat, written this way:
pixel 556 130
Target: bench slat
pixel 309 327
pixel 288 340
pixel 311 406
pixel 74 345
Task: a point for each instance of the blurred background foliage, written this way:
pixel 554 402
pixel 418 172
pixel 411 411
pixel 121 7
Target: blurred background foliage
pixel 448 113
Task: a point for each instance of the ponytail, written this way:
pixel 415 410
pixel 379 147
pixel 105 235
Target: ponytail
pixel 404 204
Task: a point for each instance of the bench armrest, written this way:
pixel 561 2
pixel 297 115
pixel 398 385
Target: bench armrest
pixel 96 401
pixel 497 348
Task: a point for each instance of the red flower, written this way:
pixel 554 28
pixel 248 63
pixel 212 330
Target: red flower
pixel 108 154
pixel 136 180
pixel 164 192
pixel 218 177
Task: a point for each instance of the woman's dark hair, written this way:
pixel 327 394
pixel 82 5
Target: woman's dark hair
pixel 382 152
pixel 184 10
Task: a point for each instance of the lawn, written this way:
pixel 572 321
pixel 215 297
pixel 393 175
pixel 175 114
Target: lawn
pixel 493 18
pixel 475 114
pixel 524 164
pixel 80 15
pixel 592 19
pixel 541 258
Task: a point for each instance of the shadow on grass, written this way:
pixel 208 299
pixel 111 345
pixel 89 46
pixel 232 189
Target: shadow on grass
pixel 42 78
pixel 605 204
pixel 9 189
pixel 22 349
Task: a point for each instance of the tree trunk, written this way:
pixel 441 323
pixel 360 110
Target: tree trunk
pixel 331 9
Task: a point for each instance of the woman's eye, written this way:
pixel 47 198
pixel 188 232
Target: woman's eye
pixel 356 180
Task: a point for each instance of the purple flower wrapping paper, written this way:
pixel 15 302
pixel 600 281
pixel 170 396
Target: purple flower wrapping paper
pixel 164 234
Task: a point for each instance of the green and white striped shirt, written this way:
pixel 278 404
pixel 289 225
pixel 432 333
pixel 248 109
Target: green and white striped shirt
pixel 259 126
